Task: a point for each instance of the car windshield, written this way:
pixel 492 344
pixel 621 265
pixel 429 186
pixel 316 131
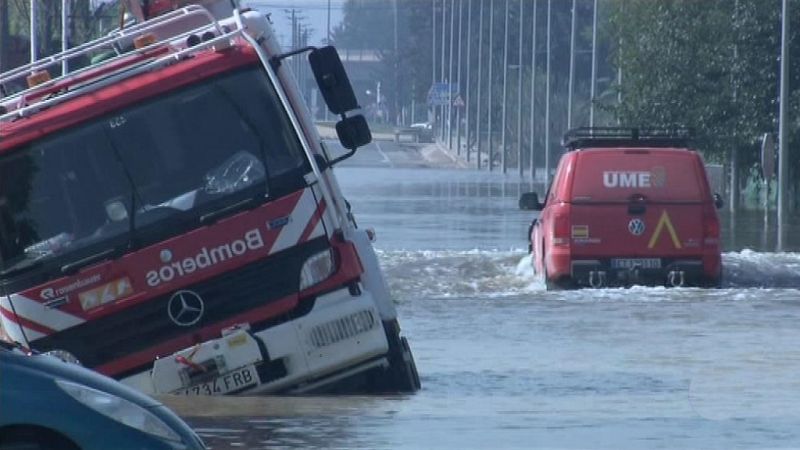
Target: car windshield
pixel 162 161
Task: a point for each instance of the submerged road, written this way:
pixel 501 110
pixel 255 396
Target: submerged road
pixel 506 364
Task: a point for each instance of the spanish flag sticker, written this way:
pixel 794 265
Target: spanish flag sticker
pixel 580 231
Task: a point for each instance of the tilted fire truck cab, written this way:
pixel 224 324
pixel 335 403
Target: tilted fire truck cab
pixel 170 217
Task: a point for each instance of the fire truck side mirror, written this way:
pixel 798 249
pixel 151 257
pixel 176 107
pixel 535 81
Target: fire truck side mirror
pixel 332 80
pixel 353 132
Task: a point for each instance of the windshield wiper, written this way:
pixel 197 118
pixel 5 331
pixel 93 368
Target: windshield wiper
pixel 22 266
pixel 227 209
pixel 74 266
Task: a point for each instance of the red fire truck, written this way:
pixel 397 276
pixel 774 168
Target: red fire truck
pixel 170 217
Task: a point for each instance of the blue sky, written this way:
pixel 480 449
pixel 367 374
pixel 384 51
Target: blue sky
pixel 314 13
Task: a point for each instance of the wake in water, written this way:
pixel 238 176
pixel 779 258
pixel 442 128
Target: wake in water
pixel 756 269
pixel 496 273
pixel 450 273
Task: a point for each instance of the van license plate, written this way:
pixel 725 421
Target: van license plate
pixel 636 263
pixel 232 381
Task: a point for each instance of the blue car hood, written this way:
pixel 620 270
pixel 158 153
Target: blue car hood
pixel 54 368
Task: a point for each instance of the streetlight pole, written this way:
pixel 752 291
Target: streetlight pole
pixel 519 90
pixel 547 101
pixel 533 91
pixel 503 156
pixel 480 85
pixel 64 33
pixel 396 94
pixel 458 77
pixel 593 86
pixel 441 78
pixel 433 62
pixel 489 108
pixel 571 87
pixel 469 76
pixel 33 41
pixel 783 150
pixel 450 78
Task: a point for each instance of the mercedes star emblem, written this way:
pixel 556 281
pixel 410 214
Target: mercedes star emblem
pixel 636 227
pixel 185 308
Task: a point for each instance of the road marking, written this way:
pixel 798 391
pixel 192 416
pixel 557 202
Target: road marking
pixel 383 155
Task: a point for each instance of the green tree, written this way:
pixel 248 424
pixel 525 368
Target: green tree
pixel 711 65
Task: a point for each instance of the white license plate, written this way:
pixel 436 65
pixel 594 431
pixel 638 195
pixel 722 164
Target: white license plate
pixel 232 381
pixel 636 263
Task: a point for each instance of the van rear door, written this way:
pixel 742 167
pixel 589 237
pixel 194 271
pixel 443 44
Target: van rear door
pixel 637 203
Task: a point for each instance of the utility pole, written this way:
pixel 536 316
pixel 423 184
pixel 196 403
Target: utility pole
pixel 480 83
pixel 783 149
pixel 533 91
pixel 571 87
pixel 519 90
pixel 489 109
pixel 458 76
pixel 469 76
pixel 547 102
pixel 503 156
pixel 593 85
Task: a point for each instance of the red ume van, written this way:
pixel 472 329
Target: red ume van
pixel 627 206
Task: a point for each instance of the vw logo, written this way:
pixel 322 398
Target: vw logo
pixel 185 308
pixel 636 227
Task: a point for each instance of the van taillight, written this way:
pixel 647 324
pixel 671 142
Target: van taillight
pixel 561 229
pixel 710 228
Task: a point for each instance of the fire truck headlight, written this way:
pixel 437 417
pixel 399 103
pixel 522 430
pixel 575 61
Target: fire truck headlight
pixel 316 269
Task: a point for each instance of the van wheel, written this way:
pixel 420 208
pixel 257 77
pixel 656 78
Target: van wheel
pixel 550 285
pixel 712 283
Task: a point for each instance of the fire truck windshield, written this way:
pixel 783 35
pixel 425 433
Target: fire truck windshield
pixel 147 172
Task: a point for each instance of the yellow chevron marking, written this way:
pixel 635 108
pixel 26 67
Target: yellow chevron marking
pixel 662 222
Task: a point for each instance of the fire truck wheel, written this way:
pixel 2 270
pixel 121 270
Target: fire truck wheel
pixel 402 373
pixel 401 376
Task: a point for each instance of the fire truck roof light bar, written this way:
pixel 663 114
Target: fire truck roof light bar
pixel 116 77
pixel 605 137
pixel 109 42
pixel 114 37
pixel 109 78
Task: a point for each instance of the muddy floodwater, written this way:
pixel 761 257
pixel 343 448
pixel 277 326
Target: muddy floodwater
pixel 505 364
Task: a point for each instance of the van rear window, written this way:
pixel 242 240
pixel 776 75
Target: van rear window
pixel 616 175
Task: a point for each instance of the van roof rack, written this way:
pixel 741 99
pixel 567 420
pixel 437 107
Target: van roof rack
pixel 605 137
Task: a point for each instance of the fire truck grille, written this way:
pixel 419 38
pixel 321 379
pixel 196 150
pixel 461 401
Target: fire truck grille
pixel 148 324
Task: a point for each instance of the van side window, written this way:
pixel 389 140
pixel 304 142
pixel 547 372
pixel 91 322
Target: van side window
pixel 556 182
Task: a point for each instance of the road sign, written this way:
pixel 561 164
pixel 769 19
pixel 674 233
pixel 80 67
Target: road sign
pixel 458 102
pixel 440 94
